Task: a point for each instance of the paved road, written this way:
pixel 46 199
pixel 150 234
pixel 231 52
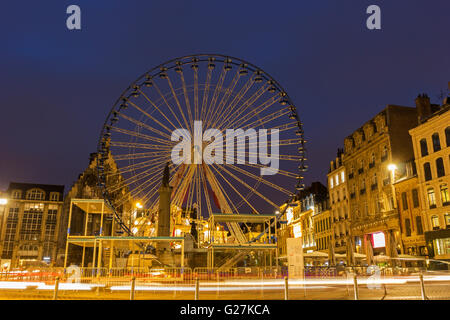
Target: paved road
pixel 435 290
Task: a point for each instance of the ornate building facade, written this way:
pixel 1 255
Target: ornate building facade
pixel 338 195
pixel 410 208
pixel 431 141
pixel 31 224
pixel 369 150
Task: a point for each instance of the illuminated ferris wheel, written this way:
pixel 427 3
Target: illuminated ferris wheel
pixel 195 95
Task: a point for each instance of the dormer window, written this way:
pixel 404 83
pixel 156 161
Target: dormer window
pixel 35 194
pixel 54 196
pixel 16 194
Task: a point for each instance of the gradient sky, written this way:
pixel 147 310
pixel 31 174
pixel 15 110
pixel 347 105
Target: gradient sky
pixel 57 86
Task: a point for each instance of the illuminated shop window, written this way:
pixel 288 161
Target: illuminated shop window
pixel 441 246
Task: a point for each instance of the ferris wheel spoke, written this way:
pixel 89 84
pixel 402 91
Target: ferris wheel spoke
pixel 205 190
pixel 137 177
pixel 169 107
pixel 139 165
pixel 247 155
pixel 286 126
pixel 140 155
pixel 196 111
pixel 280 171
pixel 144 125
pixel 180 193
pixel 228 199
pixel 247 104
pixel 139 145
pixel 186 99
pixel 169 82
pixel 142 136
pixel 266 119
pixel 249 187
pixel 206 93
pixel 236 191
pixel 215 96
pixel 148 114
pixel 153 205
pixel 225 98
pixel 150 183
pixel 198 190
pixel 253 111
pixel 212 180
pixel 178 180
pixel 258 178
pixel 237 98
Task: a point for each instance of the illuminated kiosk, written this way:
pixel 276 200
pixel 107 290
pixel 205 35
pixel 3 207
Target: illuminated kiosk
pixel 263 241
pixel 104 244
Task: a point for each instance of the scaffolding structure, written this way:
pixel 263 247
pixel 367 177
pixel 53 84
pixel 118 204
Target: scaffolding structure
pixel 263 241
pixel 101 242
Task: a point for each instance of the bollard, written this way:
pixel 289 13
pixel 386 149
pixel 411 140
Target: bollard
pixel 133 286
pixel 197 285
pixel 286 289
pixel 422 287
pixel 55 293
pixel 355 287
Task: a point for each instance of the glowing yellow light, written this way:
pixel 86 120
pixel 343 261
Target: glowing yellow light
pixel 139 205
pixel 289 214
pixel 297 230
pixel 3 201
pixel 392 167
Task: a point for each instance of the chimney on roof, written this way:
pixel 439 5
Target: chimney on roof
pixel 423 107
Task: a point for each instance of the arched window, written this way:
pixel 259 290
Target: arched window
pixel 427 171
pixel 447 136
pixel 444 195
pixel 35 194
pixel 423 147
pixel 436 142
pixel 440 167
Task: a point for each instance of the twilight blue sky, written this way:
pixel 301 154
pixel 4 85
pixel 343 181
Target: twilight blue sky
pixel 57 86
